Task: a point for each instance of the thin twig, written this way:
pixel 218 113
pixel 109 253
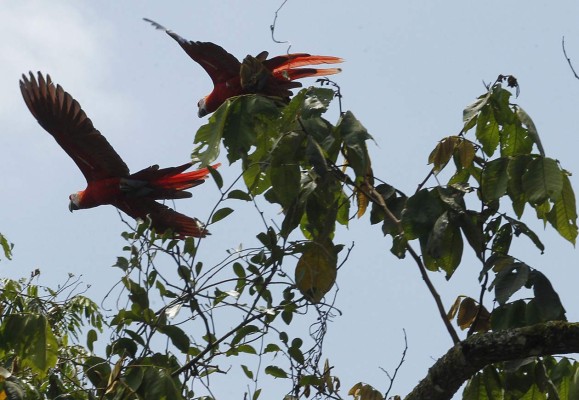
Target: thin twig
pixel 568 59
pixel 199 356
pixel 483 289
pixel 393 377
pixel 273 24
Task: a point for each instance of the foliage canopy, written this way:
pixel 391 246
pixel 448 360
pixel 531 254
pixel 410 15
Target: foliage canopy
pixel 320 175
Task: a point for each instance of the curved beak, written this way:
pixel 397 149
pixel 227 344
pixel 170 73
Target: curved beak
pixel 72 206
pixel 202 109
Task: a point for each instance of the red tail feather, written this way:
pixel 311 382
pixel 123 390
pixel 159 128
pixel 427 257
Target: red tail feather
pixel 299 73
pixel 183 181
pixel 299 60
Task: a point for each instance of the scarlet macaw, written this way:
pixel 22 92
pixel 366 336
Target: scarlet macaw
pixel 255 75
pixel 108 177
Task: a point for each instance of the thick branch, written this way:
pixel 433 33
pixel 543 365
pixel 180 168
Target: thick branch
pixel 463 360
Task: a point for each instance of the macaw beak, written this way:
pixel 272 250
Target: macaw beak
pixel 202 109
pixel 72 206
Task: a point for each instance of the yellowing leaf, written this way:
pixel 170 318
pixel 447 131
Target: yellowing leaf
pixel 466 313
pixel 316 270
pixel 443 152
pixel 363 391
pixel 452 312
pixel 465 152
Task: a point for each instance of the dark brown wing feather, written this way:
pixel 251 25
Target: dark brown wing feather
pixel 61 116
pixel 162 217
pixel 218 63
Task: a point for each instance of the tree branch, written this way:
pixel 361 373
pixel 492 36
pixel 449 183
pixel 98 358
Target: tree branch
pixel 464 359
pixel 568 59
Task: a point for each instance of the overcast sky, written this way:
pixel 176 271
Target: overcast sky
pixel 411 67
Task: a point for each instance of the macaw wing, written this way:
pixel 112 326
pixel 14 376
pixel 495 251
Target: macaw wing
pixel 218 63
pixel 162 217
pixel 61 116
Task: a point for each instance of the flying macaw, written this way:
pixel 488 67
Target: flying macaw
pixel 108 177
pixel 255 75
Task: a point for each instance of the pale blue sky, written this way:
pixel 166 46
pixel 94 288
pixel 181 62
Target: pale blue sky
pixel 411 67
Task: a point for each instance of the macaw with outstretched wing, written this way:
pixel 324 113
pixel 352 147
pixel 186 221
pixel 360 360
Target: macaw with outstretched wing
pixel 108 178
pixel 255 75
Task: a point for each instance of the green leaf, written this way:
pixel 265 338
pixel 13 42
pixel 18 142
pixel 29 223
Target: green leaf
pixel 238 121
pixel 316 102
pixel 285 171
pixel 297 355
pixel 354 136
pixel 158 384
pixel 500 102
pixel 469 224
pixel 547 300
pixel 179 338
pixel 316 157
pixel 520 227
pixel 502 240
pixel 97 370
pixel 444 246
pixel 209 138
pixel 487 131
pixel 471 112
pixel 543 180
pixel 511 315
pixel 239 270
pixel 247 371
pixel 216 176
pixel 32 339
pixel 534 394
pixel 91 337
pixel 220 214
pixel 492 383
pixel 563 215
pixel 138 295
pixel 422 210
pixel 531 129
pixel 243 332
pixel 509 280
pixel 256 177
pixel 495 179
pixel 239 195
pixel 293 216
pixel 516 169
pixel 6 247
pixel 133 378
pixel 322 210
pixel 124 347
pixel 276 372
pixel 515 141
pixel 245 348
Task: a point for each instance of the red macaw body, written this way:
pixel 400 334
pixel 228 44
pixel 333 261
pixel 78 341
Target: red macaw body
pixel 255 75
pixel 108 177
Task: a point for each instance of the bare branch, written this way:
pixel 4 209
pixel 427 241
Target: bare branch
pixel 273 24
pixel 393 377
pixel 568 59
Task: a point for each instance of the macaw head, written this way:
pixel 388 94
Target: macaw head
pixel 74 201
